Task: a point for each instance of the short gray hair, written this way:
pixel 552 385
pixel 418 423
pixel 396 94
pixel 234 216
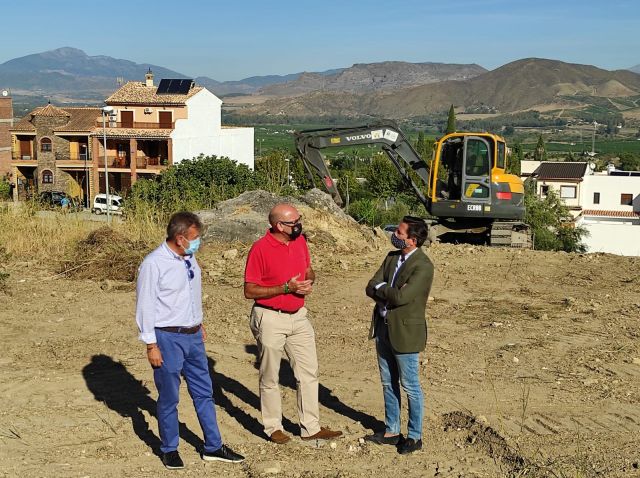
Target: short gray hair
pixel 180 223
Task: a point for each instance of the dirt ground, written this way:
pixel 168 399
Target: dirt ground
pixel 532 369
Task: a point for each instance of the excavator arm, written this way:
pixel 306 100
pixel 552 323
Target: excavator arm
pixel 394 143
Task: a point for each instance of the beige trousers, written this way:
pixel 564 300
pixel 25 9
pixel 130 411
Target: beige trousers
pixel 276 332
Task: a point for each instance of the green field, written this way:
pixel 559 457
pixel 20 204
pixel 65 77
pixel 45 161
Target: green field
pixel 601 147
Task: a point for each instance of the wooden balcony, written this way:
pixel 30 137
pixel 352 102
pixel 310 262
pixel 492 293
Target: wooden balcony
pixel 115 162
pixel 24 157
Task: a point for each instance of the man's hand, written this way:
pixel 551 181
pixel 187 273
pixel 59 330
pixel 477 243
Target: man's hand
pixel 303 287
pixel 204 333
pixel 154 355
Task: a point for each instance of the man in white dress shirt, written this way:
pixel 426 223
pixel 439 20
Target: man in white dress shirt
pixel 169 317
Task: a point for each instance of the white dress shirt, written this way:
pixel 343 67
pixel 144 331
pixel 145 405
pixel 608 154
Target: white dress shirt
pixel 166 295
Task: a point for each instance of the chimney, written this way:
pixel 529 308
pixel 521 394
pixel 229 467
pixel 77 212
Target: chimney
pixel 149 78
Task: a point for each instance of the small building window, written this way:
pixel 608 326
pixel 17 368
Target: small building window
pixel 544 190
pixel 47 177
pixel 45 145
pixel 626 199
pixel 568 192
pixel 596 198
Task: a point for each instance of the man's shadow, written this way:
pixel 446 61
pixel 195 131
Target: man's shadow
pixel 111 383
pixel 325 395
pixel 222 383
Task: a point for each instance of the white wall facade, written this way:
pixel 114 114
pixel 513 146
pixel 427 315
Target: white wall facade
pixel 613 235
pixel 202 133
pixel 611 188
pixel 561 186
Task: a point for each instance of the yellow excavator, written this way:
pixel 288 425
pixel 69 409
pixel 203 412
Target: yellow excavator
pixel 465 186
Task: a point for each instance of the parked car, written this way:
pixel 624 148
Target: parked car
pixel 54 199
pixel 100 204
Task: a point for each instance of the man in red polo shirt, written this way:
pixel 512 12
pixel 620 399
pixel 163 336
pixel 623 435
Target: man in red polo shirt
pixel 278 276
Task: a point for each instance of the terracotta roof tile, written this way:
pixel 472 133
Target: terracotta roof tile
pixel 49 110
pixel 82 119
pixel 607 213
pixel 137 93
pixel 23 125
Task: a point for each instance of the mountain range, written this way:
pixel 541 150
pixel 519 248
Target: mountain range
pixel 390 89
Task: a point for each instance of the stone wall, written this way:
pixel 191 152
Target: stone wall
pixel 47 159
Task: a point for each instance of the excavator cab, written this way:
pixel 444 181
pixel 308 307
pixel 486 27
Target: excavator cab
pixel 468 179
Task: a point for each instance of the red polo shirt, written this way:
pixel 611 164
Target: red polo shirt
pixel 271 263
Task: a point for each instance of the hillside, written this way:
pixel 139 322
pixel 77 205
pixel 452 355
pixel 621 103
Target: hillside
pixel 384 76
pixel 520 85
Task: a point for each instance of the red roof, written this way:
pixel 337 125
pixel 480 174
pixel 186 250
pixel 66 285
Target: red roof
pixel 605 213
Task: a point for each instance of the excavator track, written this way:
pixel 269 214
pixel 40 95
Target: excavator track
pixel 511 234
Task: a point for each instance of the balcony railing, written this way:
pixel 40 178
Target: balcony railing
pixel 151 163
pixel 23 157
pixel 137 125
pixel 68 157
pixel 114 162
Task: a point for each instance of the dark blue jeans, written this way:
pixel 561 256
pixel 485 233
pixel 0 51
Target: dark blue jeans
pixel 399 370
pixel 184 354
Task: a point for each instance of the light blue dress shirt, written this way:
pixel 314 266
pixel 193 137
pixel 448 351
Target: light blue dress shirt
pixel 166 295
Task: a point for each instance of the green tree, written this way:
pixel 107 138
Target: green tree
pixel 540 153
pixel 629 161
pixel 383 179
pixel 514 165
pixel 191 184
pixel 551 222
pixel 271 170
pixel 451 121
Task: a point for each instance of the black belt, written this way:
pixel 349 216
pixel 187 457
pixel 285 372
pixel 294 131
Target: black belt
pixel 276 310
pixel 181 330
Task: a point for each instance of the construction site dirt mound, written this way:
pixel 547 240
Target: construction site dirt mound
pixel 105 254
pixel 244 219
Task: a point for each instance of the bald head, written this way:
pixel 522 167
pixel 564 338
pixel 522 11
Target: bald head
pixel 283 212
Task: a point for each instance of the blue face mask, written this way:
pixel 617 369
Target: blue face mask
pixel 193 247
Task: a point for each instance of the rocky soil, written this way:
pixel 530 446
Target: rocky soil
pixel 532 368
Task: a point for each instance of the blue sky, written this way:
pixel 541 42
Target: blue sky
pixel 230 40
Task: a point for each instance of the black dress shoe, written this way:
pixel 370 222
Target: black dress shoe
pixel 172 461
pixel 409 446
pixel 224 453
pixel 380 439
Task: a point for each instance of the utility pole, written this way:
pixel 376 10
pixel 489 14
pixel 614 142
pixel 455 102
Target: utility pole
pixel 593 139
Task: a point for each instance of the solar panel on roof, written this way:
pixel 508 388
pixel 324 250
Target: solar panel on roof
pixel 163 87
pixel 171 86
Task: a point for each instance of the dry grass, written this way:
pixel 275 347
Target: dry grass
pixel 59 240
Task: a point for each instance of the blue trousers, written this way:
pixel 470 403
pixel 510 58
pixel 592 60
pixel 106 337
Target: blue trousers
pixel 184 354
pixel 398 369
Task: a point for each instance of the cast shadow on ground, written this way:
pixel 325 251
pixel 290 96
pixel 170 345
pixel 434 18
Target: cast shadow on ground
pixel 111 383
pixel 326 396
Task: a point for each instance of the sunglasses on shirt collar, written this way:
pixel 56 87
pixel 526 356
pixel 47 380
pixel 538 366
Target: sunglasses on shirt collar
pixel 190 272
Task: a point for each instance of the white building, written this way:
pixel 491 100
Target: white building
pixel 606 204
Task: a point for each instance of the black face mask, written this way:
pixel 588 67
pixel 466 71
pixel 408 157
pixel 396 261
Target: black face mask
pixel 295 232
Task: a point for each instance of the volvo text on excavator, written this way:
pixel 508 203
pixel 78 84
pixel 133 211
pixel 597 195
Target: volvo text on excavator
pixel 465 186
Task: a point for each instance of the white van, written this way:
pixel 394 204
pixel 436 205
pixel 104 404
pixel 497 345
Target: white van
pixel 100 204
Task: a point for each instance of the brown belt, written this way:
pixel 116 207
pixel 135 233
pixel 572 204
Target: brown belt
pixel 277 310
pixel 181 330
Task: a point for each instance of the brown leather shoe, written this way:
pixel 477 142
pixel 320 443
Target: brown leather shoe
pixel 324 434
pixel 280 437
